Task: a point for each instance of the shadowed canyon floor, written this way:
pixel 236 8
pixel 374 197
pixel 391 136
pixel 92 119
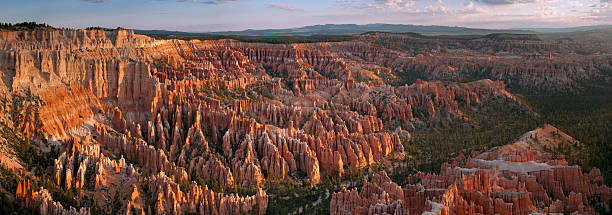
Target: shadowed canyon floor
pixel 112 122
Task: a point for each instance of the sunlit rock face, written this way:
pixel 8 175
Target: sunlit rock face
pixel 146 120
pixel 518 178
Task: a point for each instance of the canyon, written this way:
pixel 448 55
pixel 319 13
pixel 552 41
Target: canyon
pixel 144 125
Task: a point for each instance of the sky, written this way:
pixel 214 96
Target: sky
pixel 223 15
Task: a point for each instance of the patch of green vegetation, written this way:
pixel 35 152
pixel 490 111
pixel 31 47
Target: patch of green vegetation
pixel 23 26
pixel 9 207
pixel 497 122
pixel 23 107
pixel 8 133
pixel 265 92
pixel 147 195
pixel 587 117
pixel 226 95
pixel 9 180
pixel 223 188
pixel 287 196
pixel 104 29
pixel 275 73
pixel 400 78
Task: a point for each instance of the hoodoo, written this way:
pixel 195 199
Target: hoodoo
pixel 110 121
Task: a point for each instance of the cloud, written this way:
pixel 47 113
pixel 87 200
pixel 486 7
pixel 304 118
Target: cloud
pixel 283 7
pixel 469 5
pixel 470 9
pixel 189 1
pixel 210 1
pixel 220 1
pixel 549 10
pixel 437 9
pixel 601 11
pixel 395 4
pixel 576 5
pixel 95 1
pixel 411 7
pixel 510 2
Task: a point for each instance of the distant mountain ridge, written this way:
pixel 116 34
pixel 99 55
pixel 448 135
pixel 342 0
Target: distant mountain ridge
pixel 347 29
pixel 350 29
pixel 565 30
pixel 354 29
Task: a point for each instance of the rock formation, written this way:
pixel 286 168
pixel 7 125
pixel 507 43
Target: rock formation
pixel 519 178
pixel 138 116
pixel 43 202
pixel 170 199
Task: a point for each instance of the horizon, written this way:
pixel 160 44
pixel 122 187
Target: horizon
pixel 297 27
pixel 239 15
pixel 408 24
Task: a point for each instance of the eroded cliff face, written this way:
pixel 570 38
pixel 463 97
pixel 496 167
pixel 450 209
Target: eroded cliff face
pixel 518 178
pixel 181 125
pixel 305 122
pixel 91 83
pixel 524 62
